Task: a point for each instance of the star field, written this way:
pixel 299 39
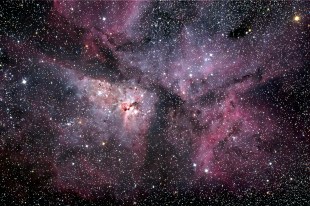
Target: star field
pixel 154 103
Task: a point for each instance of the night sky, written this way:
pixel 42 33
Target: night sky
pixel 154 103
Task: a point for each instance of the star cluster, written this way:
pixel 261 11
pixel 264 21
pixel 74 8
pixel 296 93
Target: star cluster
pixel 154 103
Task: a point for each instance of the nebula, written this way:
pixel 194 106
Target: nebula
pixel 154 103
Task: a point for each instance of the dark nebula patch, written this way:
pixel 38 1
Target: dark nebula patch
pixel 154 103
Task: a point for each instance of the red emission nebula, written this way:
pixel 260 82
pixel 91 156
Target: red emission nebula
pixel 154 102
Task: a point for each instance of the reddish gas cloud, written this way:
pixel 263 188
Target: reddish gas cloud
pixel 133 97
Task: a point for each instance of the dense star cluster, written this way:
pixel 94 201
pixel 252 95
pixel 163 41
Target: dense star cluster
pixel 154 103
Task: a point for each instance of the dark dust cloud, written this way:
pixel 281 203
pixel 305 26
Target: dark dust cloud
pixel 154 103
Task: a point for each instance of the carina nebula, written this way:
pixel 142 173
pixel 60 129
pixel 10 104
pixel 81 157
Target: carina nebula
pixel 154 103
